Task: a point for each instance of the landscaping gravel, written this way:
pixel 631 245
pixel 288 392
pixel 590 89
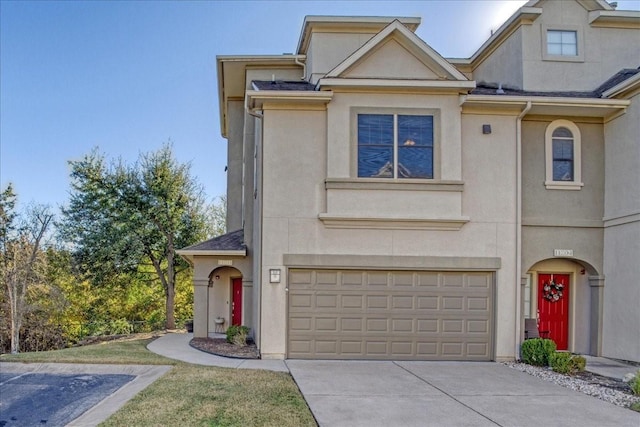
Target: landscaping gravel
pixel 607 389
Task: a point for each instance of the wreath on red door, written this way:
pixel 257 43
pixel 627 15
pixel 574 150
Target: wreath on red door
pixel 553 291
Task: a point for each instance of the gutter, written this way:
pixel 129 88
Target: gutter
pixel 251 111
pixel 519 225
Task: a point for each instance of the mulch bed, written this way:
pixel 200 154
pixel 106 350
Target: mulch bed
pixel 220 347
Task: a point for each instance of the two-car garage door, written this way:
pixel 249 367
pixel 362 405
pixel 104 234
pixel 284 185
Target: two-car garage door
pixel 393 315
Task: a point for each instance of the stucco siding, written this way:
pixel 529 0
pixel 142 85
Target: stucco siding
pixel 562 219
pixel 504 65
pixel 294 168
pixel 234 165
pixel 544 205
pixel 622 292
pixel 622 235
pixel 327 50
pixel 391 60
pixel 597 61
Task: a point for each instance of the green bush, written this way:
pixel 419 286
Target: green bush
pixel 566 363
pixel 120 327
pixel 635 384
pixel 239 332
pixel 537 351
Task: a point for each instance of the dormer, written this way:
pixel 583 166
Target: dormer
pixel 328 40
pixel 580 43
pixel 396 58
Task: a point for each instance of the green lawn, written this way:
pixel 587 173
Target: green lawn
pixel 192 395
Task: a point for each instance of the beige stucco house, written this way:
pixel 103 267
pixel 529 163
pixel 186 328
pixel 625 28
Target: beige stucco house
pixel 387 203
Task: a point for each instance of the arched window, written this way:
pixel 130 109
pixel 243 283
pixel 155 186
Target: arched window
pixel 562 152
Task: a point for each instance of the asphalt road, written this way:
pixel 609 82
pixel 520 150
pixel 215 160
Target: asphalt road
pixel 37 399
pixel 59 394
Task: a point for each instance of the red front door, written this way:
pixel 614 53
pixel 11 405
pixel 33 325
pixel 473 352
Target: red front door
pixel 236 302
pixel 553 307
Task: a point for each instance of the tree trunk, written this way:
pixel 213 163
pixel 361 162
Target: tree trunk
pixel 171 318
pixel 15 319
pixel 171 285
pixel 15 335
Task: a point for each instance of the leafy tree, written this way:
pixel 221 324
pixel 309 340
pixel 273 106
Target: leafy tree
pixel 217 216
pixel 22 259
pixel 121 217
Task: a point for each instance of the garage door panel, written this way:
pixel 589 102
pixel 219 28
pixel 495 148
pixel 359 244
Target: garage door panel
pixel 382 315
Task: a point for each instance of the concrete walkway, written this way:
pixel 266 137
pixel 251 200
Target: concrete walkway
pixel 176 346
pixel 610 368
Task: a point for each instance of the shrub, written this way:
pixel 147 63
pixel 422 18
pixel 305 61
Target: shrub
pixel 120 327
pixel 235 330
pixel 537 351
pixel 566 363
pixel 635 384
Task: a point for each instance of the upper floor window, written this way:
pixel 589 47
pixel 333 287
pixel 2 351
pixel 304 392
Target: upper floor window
pixel 562 148
pixel 395 146
pixel 563 43
pixel 563 152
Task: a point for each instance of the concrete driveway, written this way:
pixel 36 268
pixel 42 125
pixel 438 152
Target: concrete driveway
pixel 359 393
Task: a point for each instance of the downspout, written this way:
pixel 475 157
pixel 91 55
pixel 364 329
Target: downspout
pixel 303 65
pixel 519 226
pixel 254 113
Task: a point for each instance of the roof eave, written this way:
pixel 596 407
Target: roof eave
pixel 628 85
pixel 615 18
pixel 249 59
pixel 545 105
pixel 367 22
pixel 524 15
pixel 397 83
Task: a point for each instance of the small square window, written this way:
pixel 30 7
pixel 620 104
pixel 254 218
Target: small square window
pixel 562 43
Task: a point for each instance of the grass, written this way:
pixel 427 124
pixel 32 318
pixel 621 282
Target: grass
pixel 192 395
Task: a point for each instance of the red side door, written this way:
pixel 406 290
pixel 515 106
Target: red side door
pixel 236 302
pixel 553 307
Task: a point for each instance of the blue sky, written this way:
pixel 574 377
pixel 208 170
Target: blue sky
pixel 127 76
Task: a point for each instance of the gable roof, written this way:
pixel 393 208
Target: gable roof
pixel 587 4
pixel 359 24
pixel 230 244
pixel 427 55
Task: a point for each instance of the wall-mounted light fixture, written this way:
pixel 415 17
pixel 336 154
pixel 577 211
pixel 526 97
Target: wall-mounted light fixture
pixel 217 277
pixel 274 275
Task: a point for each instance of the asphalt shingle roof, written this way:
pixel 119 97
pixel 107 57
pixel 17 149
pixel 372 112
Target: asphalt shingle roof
pixel 233 241
pixel 282 85
pixel 616 79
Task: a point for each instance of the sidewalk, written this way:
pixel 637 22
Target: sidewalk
pixel 609 367
pixel 176 346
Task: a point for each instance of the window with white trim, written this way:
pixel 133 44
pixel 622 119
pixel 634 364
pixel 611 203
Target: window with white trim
pixel 395 146
pixel 562 154
pixel 562 42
